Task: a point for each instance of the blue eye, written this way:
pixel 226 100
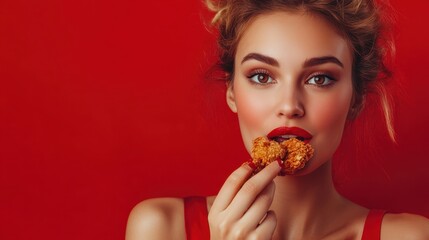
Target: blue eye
pixel 320 80
pixel 261 78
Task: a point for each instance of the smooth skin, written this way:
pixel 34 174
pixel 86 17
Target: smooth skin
pixel 297 82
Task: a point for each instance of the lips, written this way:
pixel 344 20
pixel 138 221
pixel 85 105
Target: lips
pixel 283 133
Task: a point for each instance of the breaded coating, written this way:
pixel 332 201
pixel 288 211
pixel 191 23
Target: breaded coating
pixel 293 154
pixel 265 151
pixel 298 154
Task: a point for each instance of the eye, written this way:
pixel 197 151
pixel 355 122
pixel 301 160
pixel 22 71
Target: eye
pixel 261 78
pixel 320 80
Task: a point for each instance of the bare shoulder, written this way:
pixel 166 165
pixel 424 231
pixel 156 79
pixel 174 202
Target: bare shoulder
pixel 405 226
pixel 158 218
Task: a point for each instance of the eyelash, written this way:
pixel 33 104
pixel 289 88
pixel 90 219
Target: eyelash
pixel 260 72
pixel 324 75
pixel 267 73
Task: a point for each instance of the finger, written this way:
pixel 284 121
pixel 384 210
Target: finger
pixel 266 229
pixel 259 208
pixel 252 188
pixel 231 186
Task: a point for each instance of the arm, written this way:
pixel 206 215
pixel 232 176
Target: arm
pixel 405 227
pixel 160 218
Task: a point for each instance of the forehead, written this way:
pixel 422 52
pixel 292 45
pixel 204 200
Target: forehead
pixel 293 37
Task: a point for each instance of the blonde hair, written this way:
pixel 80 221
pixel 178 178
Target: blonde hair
pixel 359 21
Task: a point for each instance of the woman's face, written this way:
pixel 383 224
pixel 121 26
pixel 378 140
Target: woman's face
pixel 292 70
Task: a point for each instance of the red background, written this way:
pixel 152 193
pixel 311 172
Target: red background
pixel 105 103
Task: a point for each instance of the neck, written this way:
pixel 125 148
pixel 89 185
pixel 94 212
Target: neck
pixel 305 205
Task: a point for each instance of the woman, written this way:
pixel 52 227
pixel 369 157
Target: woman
pixel 293 68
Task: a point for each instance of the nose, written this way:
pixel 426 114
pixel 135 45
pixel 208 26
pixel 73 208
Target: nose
pixel 290 104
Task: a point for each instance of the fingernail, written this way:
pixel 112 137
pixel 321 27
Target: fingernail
pixel 280 162
pixel 250 164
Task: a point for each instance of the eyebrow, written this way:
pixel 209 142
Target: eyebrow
pixel 321 60
pixel 261 58
pixel 308 63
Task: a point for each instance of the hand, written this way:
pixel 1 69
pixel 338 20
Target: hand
pixel 240 210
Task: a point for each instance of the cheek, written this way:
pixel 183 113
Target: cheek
pixel 329 114
pixel 253 110
pixel 250 109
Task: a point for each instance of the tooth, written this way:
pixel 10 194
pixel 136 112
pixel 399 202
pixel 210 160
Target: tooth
pixel 288 136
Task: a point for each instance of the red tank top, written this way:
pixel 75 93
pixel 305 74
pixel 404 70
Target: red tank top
pixel 197 226
pixel 372 227
pixel 196 218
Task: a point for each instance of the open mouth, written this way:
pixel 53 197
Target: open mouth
pixel 281 134
pixel 282 138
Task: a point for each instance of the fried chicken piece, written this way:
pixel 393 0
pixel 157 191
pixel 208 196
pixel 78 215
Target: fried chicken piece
pixel 265 151
pixel 292 154
pixel 298 154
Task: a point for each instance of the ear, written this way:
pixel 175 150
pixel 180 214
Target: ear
pixel 230 97
pixel 356 106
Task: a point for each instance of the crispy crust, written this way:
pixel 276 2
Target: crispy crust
pixel 292 154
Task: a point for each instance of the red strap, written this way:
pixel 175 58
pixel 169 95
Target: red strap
pixel 372 227
pixel 196 218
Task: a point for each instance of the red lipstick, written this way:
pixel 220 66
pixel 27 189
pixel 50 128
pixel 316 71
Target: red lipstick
pixel 283 133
